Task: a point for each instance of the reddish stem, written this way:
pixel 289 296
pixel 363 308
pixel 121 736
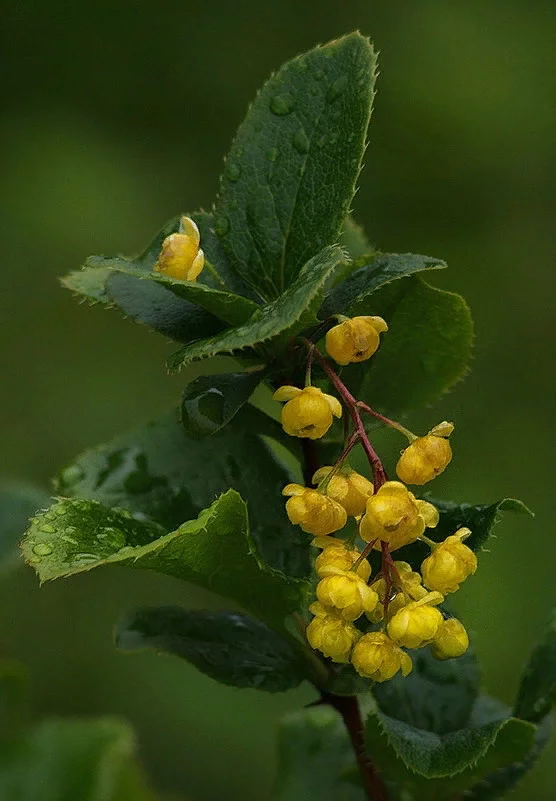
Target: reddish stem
pixel 348 707
pixel 379 474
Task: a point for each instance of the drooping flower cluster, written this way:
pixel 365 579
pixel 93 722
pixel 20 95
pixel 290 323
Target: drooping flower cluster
pixel 359 618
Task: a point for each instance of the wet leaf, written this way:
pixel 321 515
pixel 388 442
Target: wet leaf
pixel 209 402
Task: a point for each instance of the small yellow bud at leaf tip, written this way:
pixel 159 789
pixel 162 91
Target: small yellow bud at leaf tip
pixel 180 256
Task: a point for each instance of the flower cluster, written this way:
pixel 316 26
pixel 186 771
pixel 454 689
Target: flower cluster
pixel 371 621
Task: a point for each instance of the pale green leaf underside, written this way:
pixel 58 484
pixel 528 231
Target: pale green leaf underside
pixel 214 551
pixel 293 311
pixel 292 169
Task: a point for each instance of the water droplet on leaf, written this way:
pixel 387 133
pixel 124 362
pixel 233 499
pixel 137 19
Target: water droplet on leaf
pixel 42 549
pixel 221 225
pixel 336 88
pixel 47 528
pixel 282 104
pixel 301 141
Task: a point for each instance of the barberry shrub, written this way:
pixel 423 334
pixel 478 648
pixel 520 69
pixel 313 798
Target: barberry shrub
pixel 342 574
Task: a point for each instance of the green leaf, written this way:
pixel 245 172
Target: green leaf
pixel 146 302
pixel 14 701
pixel 354 295
pixel 231 648
pixel 436 696
pixel 353 239
pixel 291 172
pixel 66 760
pixel 438 755
pixel 425 351
pixel 315 758
pixel 17 504
pixel 480 518
pixel 537 690
pixel 209 402
pixel 274 323
pixel 497 783
pixel 214 551
pixel 159 472
pixel 430 767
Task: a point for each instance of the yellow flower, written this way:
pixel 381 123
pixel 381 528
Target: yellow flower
pixel 347 594
pixel 375 656
pixel 417 623
pixel 331 635
pixel 336 555
pixel 308 412
pixel 451 640
pixel 427 456
pixel 397 602
pixel 314 512
pixel 411 589
pixel 349 488
pixel 395 516
pixel 450 563
pixel 355 340
pixel 181 256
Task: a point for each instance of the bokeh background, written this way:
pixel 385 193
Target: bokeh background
pixel 115 117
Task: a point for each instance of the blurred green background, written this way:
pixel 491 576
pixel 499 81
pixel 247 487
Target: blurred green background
pixel 115 117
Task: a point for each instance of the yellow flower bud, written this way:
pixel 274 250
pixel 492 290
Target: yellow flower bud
pixel 314 512
pixel 412 582
pixel 340 557
pixel 450 563
pixel 308 412
pixel 375 656
pixel 355 340
pixel 451 640
pixel 180 256
pixel 349 488
pixel 347 594
pixel 395 516
pixel 332 636
pixel 427 456
pixel 417 623
pixel 396 603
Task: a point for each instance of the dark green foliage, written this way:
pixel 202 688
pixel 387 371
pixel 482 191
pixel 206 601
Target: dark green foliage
pixel 291 172
pixel 160 472
pixel 214 551
pixel 229 647
pixel 537 691
pixel 209 402
pixel 436 696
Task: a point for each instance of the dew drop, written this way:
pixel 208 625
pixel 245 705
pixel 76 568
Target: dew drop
pixel 85 557
pixel 282 104
pixel 59 511
pixel 112 537
pixel 42 549
pixel 272 154
pixel 301 141
pixel 47 528
pixel 233 171
pixel 221 225
pixel 336 88
pixel 69 540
